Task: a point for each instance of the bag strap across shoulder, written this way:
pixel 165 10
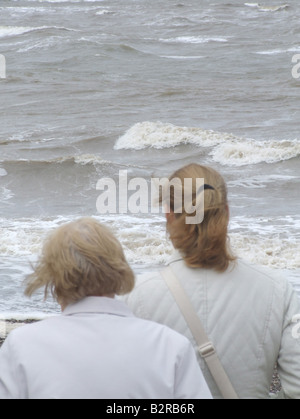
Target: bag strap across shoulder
pixel 205 346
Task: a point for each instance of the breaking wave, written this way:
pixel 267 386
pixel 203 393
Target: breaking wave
pixel 227 149
pixel 265 8
pixel 8 31
pixel 150 246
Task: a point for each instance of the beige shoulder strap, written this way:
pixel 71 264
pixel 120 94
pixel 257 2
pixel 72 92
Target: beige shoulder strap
pixel 205 347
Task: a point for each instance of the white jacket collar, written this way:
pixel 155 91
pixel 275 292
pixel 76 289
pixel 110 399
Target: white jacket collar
pixel 176 257
pixel 98 305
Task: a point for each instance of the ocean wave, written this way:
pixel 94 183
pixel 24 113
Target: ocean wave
pixel 278 51
pixel 65 1
pixel 272 252
pixel 159 135
pixel 5 195
pixel 82 159
pixel 183 57
pixel 24 237
pixel 272 52
pixel 6 31
pixel 42 44
pixel 26 137
pixel 248 152
pixel 104 12
pixel 265 8
pixel 269 241
pixel 194 39
pixel 263 242
pixel 173 21
pixel 227 149
pixel 260 181
pixel 9 31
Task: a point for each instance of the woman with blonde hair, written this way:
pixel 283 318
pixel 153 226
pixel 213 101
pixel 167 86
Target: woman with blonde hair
pixel 96 349
pixel 247 313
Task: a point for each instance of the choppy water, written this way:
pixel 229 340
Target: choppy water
pixel 94 87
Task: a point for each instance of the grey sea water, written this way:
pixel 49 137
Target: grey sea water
pixel 95 87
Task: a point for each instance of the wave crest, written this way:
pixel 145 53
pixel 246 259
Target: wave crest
pixel 8 31
pixel 227 149
pixel 265 8
pixel 151 246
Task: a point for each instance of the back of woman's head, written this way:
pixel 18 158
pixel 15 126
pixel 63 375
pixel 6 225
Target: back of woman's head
pixel 203 245
pixel 81 259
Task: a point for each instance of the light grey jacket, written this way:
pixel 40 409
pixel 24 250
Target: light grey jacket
pixel 249 315
pixel 97 349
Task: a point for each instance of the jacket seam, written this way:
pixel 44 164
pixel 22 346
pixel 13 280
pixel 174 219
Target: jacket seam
pixel 266 328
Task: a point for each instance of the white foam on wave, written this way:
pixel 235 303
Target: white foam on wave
pixel 183 57
pixel 82 159
pixel 248 152
pixel 227 149
pixel 9 31
pixel 42 44
pixel 6 31
pixel 194 39
pixel 146 247
pixel 5 194
pixel 89 159
pixel 24 237
pixel 272 242
pixel 266 8
pixel 104 12
pixel 269 241
pixel 260 181
pixel 272 52
pixel 94 160
pixel 278 51
pixel 273 252
pixel 159 135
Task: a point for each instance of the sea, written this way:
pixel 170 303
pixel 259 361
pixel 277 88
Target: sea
pixel 96 87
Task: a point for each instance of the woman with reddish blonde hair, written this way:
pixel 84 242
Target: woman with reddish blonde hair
pixel 203 245
pixel 248 313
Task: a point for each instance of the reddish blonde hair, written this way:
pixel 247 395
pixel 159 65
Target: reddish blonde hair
pixel 81 259
pixel 204 245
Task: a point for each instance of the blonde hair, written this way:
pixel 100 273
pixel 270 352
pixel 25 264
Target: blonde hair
pixel 81 259
pixel 204 245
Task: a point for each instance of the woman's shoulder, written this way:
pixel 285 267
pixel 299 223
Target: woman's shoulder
pixel 147 278
pixel 150 291
pixel 149 284
pixel 240 270
pixel 261 274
